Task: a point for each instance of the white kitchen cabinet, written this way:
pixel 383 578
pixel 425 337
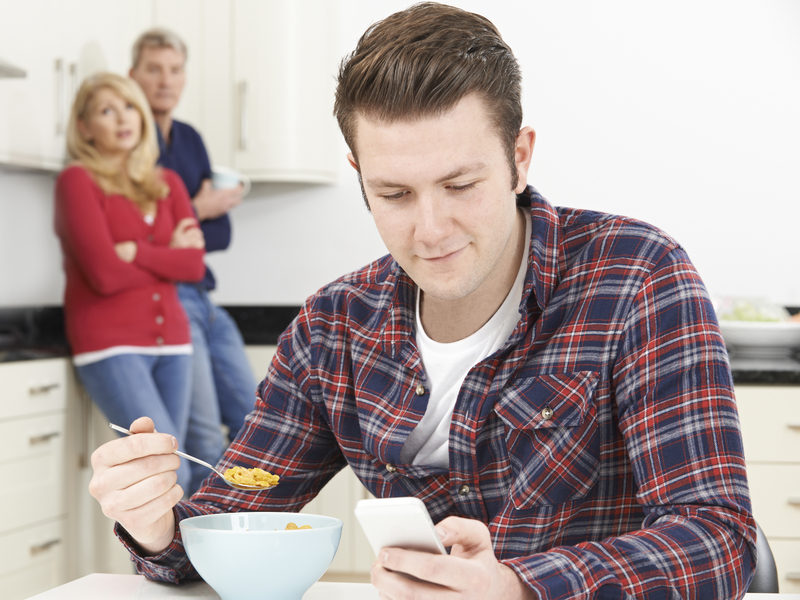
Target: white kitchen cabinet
pixel 260 83
pixel 284 63
pixel 33 498
pixel 58 44
pixel 32 130
pixel 770 420
pixel 51 530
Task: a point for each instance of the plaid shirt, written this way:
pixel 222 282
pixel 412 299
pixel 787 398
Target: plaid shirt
pixel 601 444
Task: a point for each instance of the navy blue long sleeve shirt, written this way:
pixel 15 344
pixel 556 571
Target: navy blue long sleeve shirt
pixel 186 155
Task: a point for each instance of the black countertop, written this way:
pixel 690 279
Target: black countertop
pixel 30 333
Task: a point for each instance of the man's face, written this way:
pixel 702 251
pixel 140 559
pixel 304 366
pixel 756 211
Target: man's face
pixel 440 192
pixel 161 76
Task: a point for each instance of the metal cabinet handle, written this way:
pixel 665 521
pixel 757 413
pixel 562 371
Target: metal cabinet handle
pixel 44 546
pixel 793 425
pixel 793 576
pixel 35 390
pixel 244 141
pixel 44 438
pixel 73 83
pixel 61 94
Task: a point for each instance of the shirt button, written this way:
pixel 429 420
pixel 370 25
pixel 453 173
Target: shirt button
pixel 150 238
pixel 391 468
pixel 156 297
pixel 159 319
pixel 420 389
pixel 547 412
pixel 160 341
pixel 463 490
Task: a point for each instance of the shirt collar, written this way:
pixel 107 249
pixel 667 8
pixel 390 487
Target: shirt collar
pixel 544 256
pixel 162 145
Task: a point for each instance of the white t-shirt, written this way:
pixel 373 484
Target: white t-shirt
pixel 447 365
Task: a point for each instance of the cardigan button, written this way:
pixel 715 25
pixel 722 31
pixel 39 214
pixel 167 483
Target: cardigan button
pixel 160 341
pixel 159 319
pixel 420 390
pixel 156 297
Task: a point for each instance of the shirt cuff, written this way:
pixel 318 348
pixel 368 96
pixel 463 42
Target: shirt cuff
pixel 170 565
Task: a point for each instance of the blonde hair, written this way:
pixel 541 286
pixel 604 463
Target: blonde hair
pixel 141 181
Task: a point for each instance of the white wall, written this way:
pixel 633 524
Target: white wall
pixel 684 114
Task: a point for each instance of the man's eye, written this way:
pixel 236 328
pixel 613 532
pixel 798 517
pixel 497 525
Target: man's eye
pixel 395 196
pixel 462 188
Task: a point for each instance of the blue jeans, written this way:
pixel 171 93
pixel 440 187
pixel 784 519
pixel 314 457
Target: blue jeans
pixel 129 386
pixel 223 385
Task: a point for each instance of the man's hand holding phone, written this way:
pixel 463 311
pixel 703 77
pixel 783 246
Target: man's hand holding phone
pixel 471 570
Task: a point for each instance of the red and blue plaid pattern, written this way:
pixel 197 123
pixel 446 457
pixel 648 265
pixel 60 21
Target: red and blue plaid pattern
pixel 601 444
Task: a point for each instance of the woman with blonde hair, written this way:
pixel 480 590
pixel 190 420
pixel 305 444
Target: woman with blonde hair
pixel 127 233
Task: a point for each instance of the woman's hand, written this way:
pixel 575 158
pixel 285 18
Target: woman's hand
pixel 187 235
pixel 126 251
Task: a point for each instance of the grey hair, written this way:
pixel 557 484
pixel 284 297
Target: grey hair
pixel 158 37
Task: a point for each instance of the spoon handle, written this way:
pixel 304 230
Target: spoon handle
pixel 178 452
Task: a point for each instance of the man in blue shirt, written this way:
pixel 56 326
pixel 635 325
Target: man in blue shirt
pixel 223 387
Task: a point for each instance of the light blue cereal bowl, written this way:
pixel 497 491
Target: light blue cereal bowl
pixel 248 556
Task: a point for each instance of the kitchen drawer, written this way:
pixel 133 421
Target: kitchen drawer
pixel 787 559
pixel 770 418
pixel 35 580
pixel 21 439
pixel 35 548
pixel 775 492
pixel 32 491
pixel 34 386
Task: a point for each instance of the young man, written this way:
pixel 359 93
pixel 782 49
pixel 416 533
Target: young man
pixel 222 381
pixel 550 382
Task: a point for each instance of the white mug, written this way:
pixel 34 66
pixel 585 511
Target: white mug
pixel 223 178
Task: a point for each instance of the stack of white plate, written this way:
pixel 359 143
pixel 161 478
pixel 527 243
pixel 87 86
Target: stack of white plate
pixel 760 339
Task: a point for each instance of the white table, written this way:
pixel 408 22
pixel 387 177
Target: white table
pixel 99 586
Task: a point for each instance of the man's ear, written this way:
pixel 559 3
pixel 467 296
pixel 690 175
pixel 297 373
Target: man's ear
pixel 523 152
pixel 352 160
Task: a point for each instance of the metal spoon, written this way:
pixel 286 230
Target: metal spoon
pixel 238 486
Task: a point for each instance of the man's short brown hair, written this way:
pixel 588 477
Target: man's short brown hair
pixel 421 62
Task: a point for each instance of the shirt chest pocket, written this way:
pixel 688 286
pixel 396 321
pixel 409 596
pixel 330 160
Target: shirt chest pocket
pixel 551 435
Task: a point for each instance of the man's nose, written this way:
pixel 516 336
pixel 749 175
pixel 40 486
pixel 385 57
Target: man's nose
pixel 432 220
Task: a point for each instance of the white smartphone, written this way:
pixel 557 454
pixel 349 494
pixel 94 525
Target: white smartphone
pixel 398 523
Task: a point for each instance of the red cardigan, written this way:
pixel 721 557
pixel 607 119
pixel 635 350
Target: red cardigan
pixel 108 302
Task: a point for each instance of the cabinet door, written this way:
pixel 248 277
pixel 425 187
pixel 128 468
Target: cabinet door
pixel 100 36
pixel 34 108
pixel 284 63
pixel 32 560
pixel 58 44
